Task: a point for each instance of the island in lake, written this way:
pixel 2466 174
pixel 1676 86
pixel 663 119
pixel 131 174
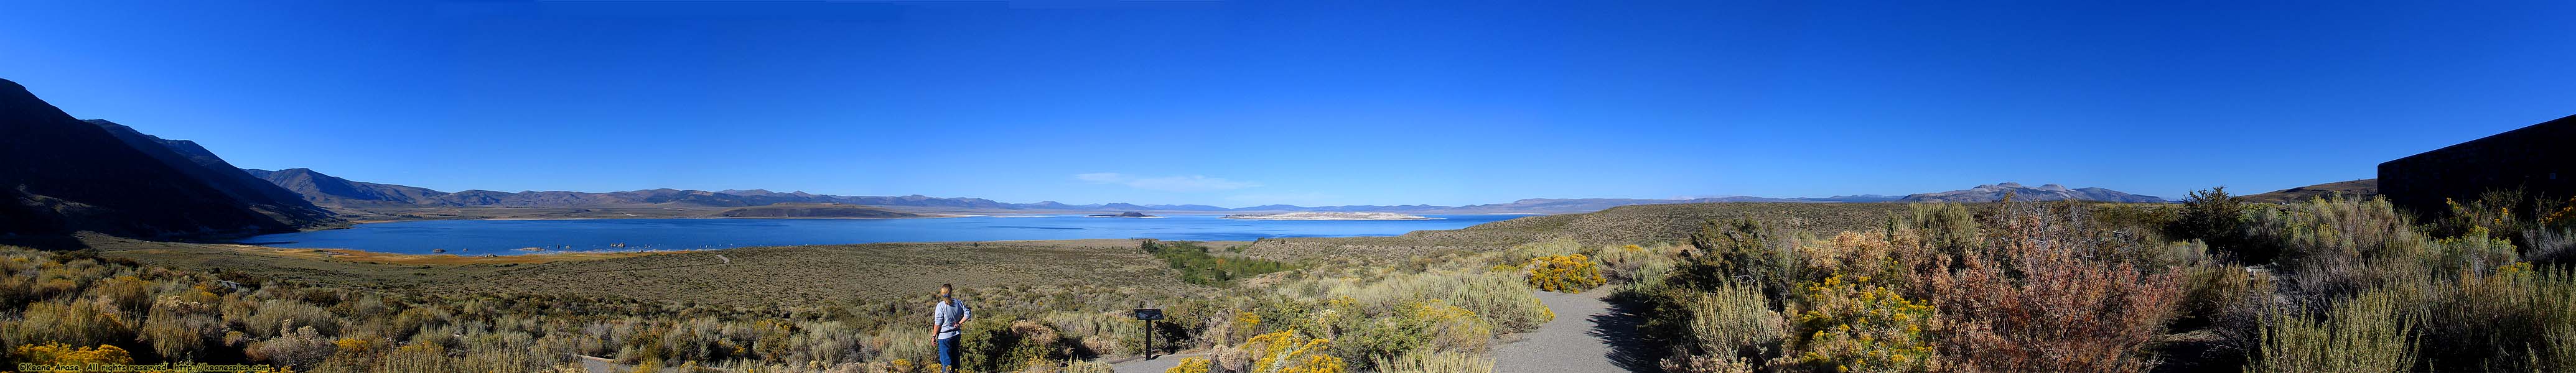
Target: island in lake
pixel 1331 216
pixel 1129 214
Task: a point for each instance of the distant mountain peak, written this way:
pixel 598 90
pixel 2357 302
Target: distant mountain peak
pixel 2045 192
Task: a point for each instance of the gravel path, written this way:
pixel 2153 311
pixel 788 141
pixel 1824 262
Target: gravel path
pixel 1589 335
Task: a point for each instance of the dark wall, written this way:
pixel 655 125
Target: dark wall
pixel 2541 159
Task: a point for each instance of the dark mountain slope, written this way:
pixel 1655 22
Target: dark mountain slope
pixel 59 175
pixel 206 168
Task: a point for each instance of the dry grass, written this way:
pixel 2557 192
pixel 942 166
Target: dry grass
pixel 814 274
pixel 1638 224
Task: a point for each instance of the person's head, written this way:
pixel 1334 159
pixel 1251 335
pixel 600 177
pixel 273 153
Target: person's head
pixel 946 289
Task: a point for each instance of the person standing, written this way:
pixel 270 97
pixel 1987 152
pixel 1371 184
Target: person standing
pixel 948 320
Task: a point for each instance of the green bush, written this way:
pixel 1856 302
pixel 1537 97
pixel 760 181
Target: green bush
pixel 1415 327
pixel 1197 266
pixel 1733 325
pixel 2366 333
pixel 1947 226
pixel 2489 322
pixel 996 344
pixel 1739 251
pixel 2334 247
pixel 2218 219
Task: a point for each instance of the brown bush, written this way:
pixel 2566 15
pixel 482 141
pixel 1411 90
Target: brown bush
pixel 2048 294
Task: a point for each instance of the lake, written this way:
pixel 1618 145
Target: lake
pixel 507 237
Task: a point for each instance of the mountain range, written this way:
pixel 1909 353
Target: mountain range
pixel 333 191
pixel 62 175
pixel 2050 192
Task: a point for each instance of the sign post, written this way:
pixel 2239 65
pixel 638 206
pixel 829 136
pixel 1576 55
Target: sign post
pixel 1148 315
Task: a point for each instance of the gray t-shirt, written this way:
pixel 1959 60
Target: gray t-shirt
pixel 948 313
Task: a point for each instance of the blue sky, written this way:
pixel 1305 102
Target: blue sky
pixel 1244 103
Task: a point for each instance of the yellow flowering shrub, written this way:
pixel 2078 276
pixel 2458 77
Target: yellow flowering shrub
pixel 57 353
pixel 1286 352
pixel 1570 273
pixel 1190 365
pixel 1855 327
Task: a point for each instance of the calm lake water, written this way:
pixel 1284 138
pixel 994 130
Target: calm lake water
pixel 506 237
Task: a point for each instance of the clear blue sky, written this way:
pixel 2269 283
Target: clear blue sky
pixel 1243 103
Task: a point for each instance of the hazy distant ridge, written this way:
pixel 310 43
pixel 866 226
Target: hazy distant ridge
pixel 328 190
pixel 2050 192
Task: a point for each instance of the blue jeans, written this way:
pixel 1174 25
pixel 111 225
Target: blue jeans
pixel 948 354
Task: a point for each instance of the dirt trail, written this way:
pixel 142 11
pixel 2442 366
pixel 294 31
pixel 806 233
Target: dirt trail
pixel 1590 334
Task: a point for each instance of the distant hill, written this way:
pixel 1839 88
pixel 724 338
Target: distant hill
pixel 2355 188
pixel 2050 192
pixel 813 210
pixel 329 190
pixel 59 175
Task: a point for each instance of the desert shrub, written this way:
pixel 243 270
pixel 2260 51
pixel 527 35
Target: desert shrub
pixel 1002 345
pixel 2218 219
pixel 2225 303
pixel 1852 326
pixel 1437 362
pixel 2560 355
pixel 2474 253
pixel 1502 299
pixel 1288 352
pixel 2051 294
pixel 1947 226
pixel 273 313
pixel 127 294
pixel 299 347
pixel 654 366
pixel 1367 335
pixel 179 329
pixel 1632 265
pixel 2367 333
pixel 1891 259
pixel 2333 247
pixel 1197 266
pixel 2490 322
pixel 1190 365
pixel 1730 328
pixel 1570 273
pixel 1740 251
pixel 75 323
pixel 2551 245
pixel 1086 366
pixel 416 318
pixel 62 354
pixel 2512 214
pixel 417 358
